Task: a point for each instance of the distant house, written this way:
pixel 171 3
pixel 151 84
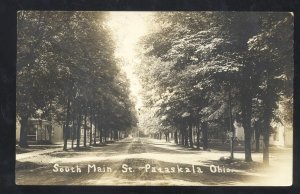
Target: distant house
pixel 41 132
pixel 280 136
pixel 239 131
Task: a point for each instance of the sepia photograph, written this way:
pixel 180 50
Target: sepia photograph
pixel 154 98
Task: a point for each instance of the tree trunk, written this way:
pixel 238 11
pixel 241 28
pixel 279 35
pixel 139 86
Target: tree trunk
pixel 73 133
pixel 246 121
pixel 186 137
pixel 85 129
pixel 257 136
pixel 111 134
pixel 175 137
pixel 266 147
pixel 231 127
pixel 225 129
pixel 66 127
pixel 205 135
pixel 257 144
pixel 246 107
pixel 78 135
pixel 72 136
pixel 23 132
pixel 198 135
pixel 248 157
pixel 91 130
pixel 182 136
pixel 116 133
pixel 101 135
pixel 267 121
pixel 95 130
pixel 191 134
pixel 50 134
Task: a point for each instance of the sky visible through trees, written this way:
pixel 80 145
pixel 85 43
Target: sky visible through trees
pixel 128 28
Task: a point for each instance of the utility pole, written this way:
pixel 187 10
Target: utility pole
pixel 139 112
pixel 230 123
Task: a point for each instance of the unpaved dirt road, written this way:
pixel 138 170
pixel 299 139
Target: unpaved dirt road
pixel 138 161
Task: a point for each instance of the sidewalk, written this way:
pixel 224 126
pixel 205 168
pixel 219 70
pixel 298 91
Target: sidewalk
pixel 36 153
pixel 43 149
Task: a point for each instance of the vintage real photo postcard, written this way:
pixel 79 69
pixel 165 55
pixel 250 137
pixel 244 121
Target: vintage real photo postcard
pixel 202 98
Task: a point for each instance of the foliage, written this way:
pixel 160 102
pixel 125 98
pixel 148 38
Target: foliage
pixel 210 67
pixel 66 68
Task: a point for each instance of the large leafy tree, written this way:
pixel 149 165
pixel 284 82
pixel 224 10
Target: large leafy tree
pixel 272 50
pixel 184 49
pixel 66 68
pixel 201 67
pixel 35 81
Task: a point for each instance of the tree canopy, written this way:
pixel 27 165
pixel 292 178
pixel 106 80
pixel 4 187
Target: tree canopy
pixel 66 69
pixel 210 68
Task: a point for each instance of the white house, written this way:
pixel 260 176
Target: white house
pixel 281 136
pixel 41 131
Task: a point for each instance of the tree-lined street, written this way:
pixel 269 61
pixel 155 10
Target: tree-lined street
pixel 156 98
